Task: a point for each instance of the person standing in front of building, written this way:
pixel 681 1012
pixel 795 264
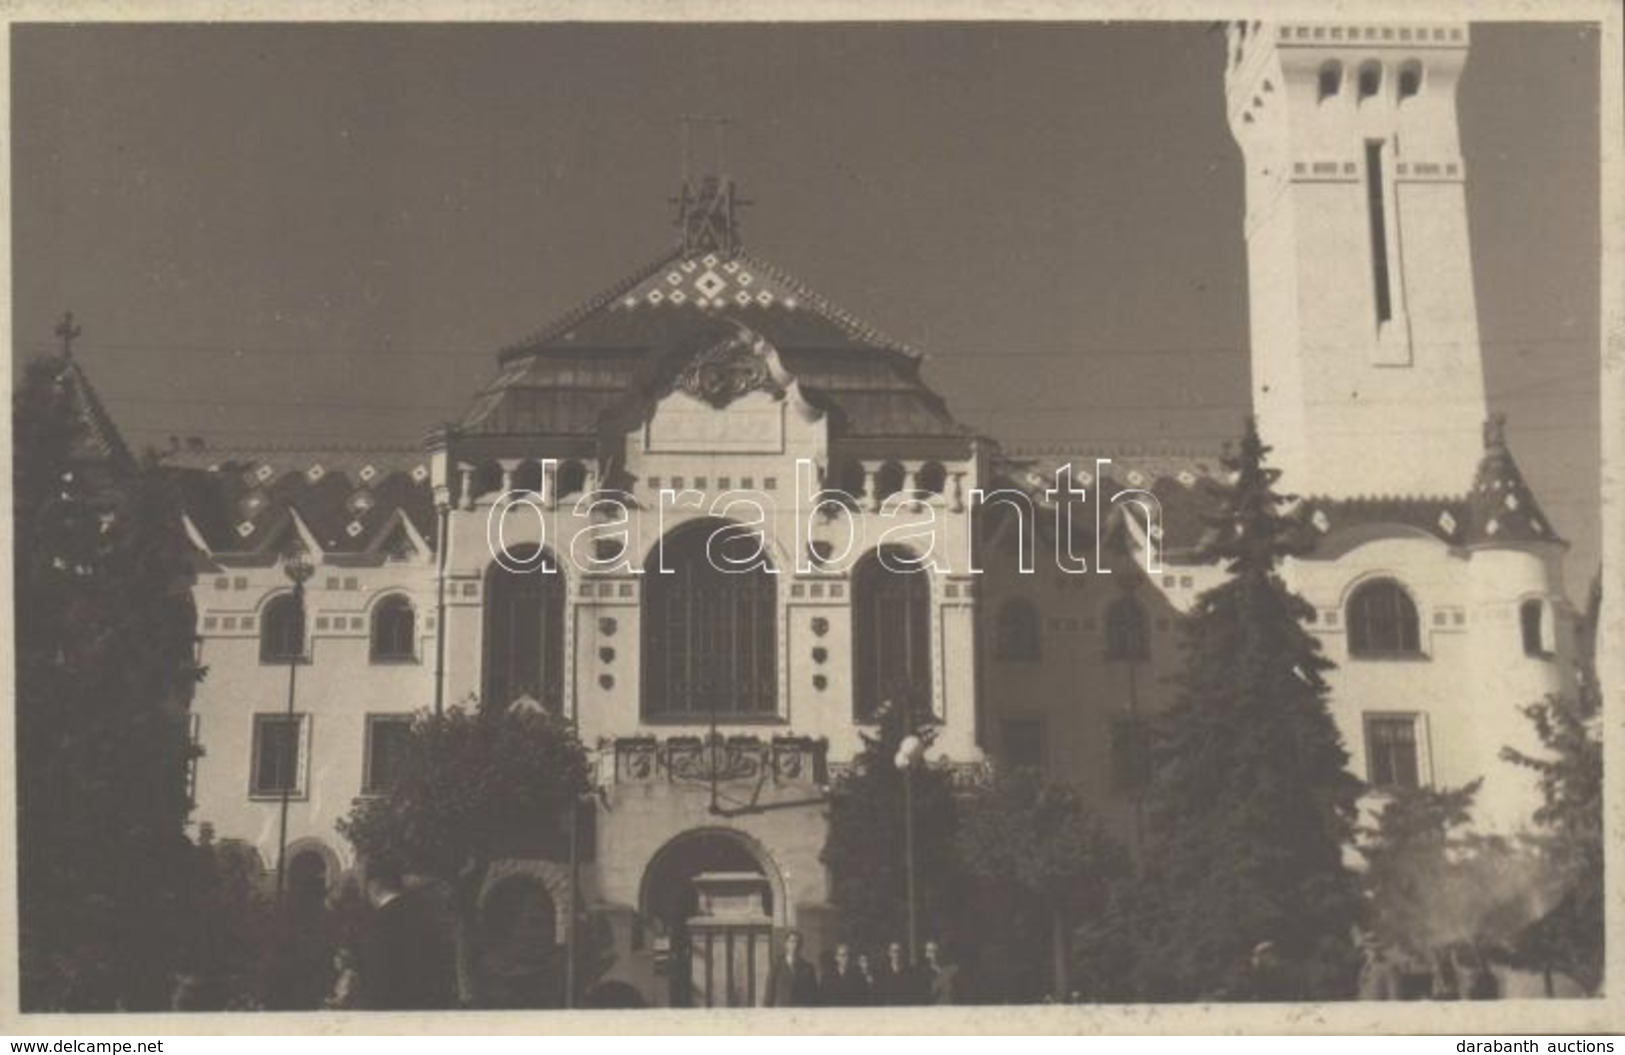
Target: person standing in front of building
pixel 843 985
pixel 897 984
pixel 941 977
pixel 405 965
pixel 791 981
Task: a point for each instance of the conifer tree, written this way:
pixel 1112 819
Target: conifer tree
pixel 1251 803
pixel 105 666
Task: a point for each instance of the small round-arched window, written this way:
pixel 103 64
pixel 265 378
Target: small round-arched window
pixel 888 481
pixel 1126 638
pixel 1017 635
pixel 282 630
pixel 933 477
pixel 1382 621
pixel 394 631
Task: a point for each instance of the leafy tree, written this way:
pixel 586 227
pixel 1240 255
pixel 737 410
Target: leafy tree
pixel 864 846
pixel 1251 803
pixel 1569 937
pixel 105 669
pixel 1431 882
pixel 475 786
pixel 1034 842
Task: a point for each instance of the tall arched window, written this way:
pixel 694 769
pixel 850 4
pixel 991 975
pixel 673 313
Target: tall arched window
pixel 1126 639
pixel 524 631
pixel 891 636
pixel 710 625
pixel 1382 620
pixel 1016 634
pixel 1532 623
pixel 282 630
pixel 394 631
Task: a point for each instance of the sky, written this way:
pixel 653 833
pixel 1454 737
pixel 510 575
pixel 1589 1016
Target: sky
pixel 320 234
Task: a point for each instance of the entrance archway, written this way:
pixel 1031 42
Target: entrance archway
pixel 521 960
pixel 712 898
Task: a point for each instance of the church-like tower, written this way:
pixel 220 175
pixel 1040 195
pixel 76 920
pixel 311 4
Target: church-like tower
pixel 1367 376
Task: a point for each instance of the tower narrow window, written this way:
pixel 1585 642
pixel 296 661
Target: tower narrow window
pixel 1379 228
pixel 1331 79
pixel 1370 80
pixel 1410 79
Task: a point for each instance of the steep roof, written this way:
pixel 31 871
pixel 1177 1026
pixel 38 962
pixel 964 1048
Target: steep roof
pixel 1500 509
pixel 99 441
pixel 567 378
pixel 242 500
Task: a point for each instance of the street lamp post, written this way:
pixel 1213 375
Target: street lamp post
pixel 298 569
pixel 909 753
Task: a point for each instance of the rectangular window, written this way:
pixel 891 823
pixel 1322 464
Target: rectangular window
pixel 1024 742
pixel 386 751
pixel 279 756
pixel 1391 751
pixel 1379 228
pixel 1131 754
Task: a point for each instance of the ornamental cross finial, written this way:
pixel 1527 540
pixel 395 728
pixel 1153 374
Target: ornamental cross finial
pixel 1495 431
pixel 707 207
pixel 68 332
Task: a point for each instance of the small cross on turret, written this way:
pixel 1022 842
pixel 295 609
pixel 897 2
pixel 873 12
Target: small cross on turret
pixel 68 332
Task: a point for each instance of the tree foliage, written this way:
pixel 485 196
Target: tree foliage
pixel 1432 882
pixel 1251 803
pixel 1569 936
pixel 1042 854
pixel 864 846
pixel 105 669
pixel 475 785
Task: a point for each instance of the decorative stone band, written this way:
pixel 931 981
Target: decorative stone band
pixel 965 776
pixel 783 760
pixel 1391 36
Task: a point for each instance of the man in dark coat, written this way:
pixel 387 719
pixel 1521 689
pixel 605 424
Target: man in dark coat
pixel 406 963
pixel 897 984
pixel 791 981
pixel 843 985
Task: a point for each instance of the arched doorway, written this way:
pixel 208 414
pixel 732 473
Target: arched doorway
pixel 520 958
pixel 711 899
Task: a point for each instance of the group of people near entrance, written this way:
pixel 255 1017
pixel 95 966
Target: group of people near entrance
pixel 849 979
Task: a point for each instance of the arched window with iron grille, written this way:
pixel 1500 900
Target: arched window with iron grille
pixel 710 625
pixel 524 631
pixel 891 636
pixel 1382 620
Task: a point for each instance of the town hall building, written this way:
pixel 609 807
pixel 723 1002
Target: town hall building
pixel 745 523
